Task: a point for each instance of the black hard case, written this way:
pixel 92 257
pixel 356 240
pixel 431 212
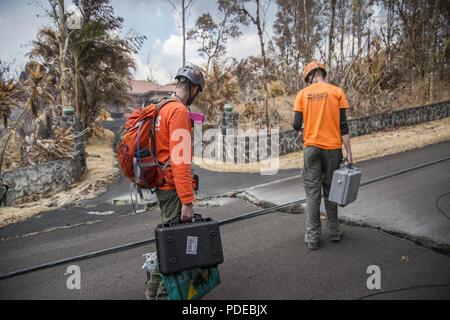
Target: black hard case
pixel 174 253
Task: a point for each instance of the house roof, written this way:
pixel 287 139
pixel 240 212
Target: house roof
pixel 139 87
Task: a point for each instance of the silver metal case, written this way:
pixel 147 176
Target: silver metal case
pixel 345 186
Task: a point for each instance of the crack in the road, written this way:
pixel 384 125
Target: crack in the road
pixel 49 230
pixel 300 209
pixel 422 242
pixel 247 197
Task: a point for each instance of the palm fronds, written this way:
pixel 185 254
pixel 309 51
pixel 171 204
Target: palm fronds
pixel 8 89
pixel 43 150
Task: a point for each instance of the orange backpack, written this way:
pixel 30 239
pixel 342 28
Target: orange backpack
pixel 136 151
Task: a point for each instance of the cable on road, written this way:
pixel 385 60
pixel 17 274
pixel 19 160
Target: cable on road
pixel 438 207
pixel 405 289
pixel 238 218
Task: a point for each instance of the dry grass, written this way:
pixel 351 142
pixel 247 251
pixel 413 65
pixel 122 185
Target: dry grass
pixel 366 147
pixel 102 171
pixel 408 96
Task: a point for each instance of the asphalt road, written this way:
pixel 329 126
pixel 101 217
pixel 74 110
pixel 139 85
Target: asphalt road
pixel 414 205
pixel 265 257
pixel 102 208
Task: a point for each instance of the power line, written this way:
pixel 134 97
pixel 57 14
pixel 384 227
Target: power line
pixel 438 207
pixel 426 286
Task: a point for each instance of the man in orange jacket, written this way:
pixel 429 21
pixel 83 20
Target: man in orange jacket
pixel 321 106
pixel 173 148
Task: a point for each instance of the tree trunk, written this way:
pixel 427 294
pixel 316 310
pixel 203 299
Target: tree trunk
pixel 331 33
pixel 357 21
pixel 305 15
pixel 263 54
pixel 62 36
pixel 75 83
pixel 390 8
pixel 297 46
pixel 352 15
pixel 183 13
pixel 433 46
pixel 9 136
pixel 342 13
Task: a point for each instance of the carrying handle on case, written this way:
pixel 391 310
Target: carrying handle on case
pixel 347 164
pixel 177 220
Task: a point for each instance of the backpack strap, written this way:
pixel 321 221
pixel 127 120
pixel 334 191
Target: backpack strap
pixel 159 106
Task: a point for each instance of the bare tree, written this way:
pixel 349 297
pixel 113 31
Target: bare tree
pixel 211 36
pixel 293 39
pixel 433 46
pixel 331 32
pixel 257 18
pixel 183 12
pixel 342 29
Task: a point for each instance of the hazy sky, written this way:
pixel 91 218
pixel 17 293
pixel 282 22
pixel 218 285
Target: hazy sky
pixel 20 20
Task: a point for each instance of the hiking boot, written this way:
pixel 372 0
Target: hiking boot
pixel 312 245
pixel 336 238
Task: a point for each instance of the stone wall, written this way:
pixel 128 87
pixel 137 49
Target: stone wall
pixel 32 183
pixel 246 147
pixel 400 118
pixel 228 120
pixel 291 141
pixel 35 182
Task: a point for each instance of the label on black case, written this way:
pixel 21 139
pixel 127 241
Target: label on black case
pixel 191 245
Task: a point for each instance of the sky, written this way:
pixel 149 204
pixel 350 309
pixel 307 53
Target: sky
pixel 161 55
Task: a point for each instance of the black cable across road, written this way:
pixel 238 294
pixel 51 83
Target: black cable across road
pixel 438 207
pixel 238 218
pixel 425 286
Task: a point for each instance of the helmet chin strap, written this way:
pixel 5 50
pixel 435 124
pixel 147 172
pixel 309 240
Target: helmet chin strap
pixel 191 98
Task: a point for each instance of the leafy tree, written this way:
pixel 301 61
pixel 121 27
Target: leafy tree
pixel 99 61
pixel 242 9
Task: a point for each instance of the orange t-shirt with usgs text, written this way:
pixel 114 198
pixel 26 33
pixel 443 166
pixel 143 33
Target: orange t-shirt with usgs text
pixel 173 131
pixel 320 104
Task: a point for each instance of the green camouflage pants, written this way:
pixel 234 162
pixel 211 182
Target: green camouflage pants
pixel 170 206
pixel 319 165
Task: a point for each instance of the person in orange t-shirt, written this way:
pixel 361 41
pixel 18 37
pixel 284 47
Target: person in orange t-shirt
pixel 173 131
pixel 322 108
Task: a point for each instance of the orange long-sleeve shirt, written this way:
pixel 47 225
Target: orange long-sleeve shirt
pixel 173 142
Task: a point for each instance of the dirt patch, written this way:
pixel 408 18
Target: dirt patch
pixel 366 147
pixel 102 171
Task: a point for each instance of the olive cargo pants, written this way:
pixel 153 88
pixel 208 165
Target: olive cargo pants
pixel 170 206
pixel 319 165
